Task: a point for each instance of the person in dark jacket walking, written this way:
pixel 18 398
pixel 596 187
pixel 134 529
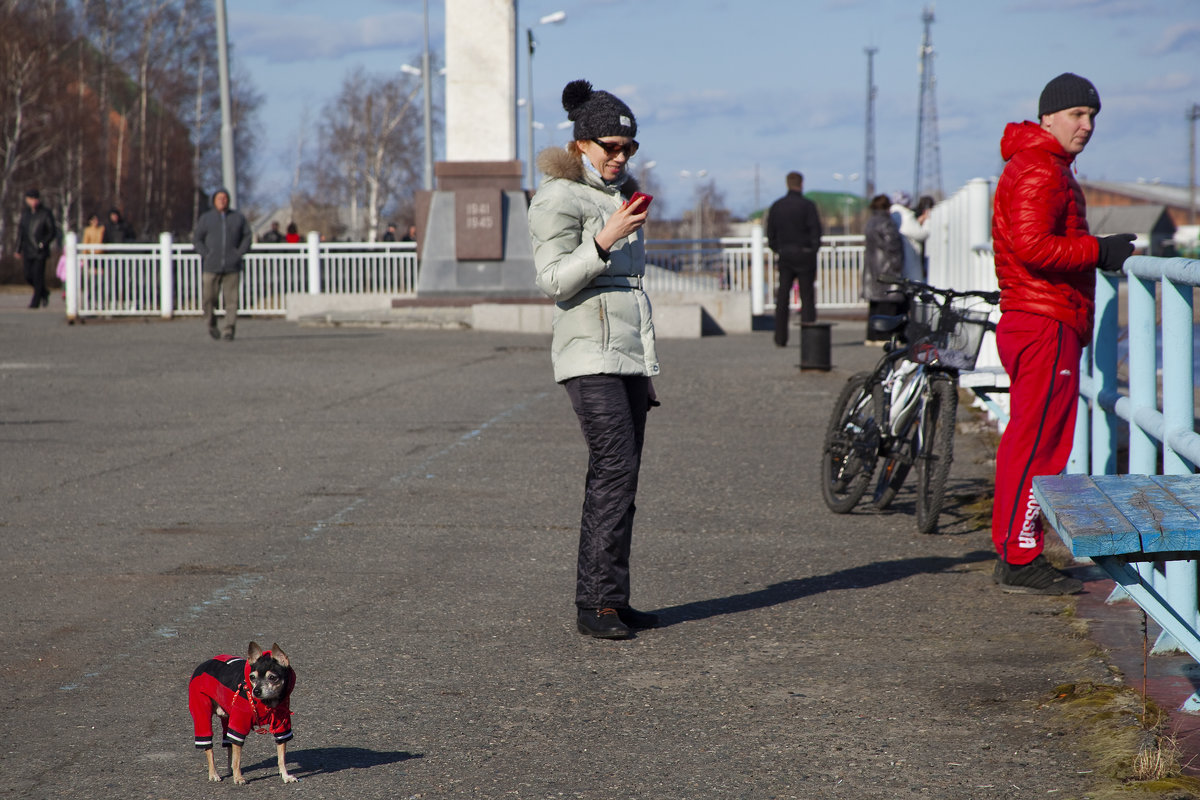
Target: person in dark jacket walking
pixel 273 236
pixel 883 259
pixel 36 232
pixel 222 237
pixel 117 230
pixel 794 233
pixel 1046 262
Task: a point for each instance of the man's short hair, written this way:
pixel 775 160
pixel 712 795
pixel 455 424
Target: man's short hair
pixel 795 181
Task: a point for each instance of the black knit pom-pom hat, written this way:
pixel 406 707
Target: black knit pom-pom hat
pixel 596 113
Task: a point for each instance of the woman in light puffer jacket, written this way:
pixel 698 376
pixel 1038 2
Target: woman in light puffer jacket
pixel 590 256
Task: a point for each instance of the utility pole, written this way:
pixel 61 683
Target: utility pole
pixel 426 88
pixel 869 158
pixel 927 178
pixel 228 162
pixel 1193 114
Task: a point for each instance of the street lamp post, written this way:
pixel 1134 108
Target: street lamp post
pixel 426 88
pixel 550 19
pixel 427 83
pixel 698 218
pixel 228 163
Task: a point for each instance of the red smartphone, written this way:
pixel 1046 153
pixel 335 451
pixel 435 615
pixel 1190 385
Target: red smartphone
pixel 640 202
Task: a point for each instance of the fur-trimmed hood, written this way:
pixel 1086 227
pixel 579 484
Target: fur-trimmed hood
pixel 557 162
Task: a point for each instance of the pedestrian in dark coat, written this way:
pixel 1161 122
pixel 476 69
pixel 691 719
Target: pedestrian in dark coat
pixel 117 230
pixel 36 232
pixel 794 233
pixel 222 237
pixel 884 258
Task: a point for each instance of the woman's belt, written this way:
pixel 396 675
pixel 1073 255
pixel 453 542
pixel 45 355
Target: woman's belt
pixel 616 282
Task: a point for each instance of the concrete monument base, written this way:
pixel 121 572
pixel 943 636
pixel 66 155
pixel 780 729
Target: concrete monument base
pixel 475 237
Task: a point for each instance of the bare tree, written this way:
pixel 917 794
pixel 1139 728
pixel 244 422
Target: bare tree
pixel 369 148
pixel 108 103
pixel 31 56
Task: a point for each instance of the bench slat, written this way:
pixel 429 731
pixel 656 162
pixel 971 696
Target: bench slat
pixel 1084 516
pixel 1164 520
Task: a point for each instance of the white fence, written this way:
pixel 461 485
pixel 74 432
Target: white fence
pixel 959 250
pixel 727 265
pixel 163 279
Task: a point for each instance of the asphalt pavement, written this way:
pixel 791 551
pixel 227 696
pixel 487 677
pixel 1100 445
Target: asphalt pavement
pixel 398 509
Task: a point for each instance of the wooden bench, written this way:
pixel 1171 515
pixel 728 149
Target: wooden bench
pixel 1119 520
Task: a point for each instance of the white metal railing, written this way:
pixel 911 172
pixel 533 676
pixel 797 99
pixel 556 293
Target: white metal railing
pixel 959 253
pixel 164 279
pixel 1169 427
pixel 728 264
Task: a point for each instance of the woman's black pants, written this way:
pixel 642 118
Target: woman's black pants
pixel 612 415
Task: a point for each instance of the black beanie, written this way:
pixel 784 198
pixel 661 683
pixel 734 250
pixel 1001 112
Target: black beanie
pixel 596 114
pixel 1067 91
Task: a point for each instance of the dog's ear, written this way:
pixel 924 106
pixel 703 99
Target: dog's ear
pixel 253 652
pixel 280 656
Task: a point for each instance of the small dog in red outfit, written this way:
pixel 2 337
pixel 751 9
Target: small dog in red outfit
pixel 244 693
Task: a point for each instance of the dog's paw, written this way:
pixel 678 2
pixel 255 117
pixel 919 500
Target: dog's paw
pixel 214 777
pixel 287 778
pixel 239 780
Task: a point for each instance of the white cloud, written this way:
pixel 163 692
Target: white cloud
pixel 1179 37
pixel 293 38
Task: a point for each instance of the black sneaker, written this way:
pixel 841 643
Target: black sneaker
pixel 1037 577
pixel 637 619
pixel 213 332
pixel 602 623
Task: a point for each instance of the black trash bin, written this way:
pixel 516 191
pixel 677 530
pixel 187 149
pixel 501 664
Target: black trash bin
pixel 816 345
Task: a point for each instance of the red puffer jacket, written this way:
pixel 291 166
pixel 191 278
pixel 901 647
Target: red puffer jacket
pixel 1045 258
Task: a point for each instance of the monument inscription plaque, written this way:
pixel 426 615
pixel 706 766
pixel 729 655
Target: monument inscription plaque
pixel 479 224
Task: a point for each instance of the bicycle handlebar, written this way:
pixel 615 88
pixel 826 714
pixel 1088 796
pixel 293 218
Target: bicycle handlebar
pixel 925 291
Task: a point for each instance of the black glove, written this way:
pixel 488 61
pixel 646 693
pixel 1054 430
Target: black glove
pixel 1114 250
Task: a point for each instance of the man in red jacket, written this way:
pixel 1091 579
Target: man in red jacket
pixel 1046 263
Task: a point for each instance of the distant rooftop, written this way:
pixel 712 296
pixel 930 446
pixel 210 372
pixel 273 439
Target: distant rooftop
pixel 1156 193
pixel 1103 220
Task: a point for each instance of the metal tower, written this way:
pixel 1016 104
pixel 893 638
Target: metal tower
pixel 927 178
pixel 1193 114
pixel 869 159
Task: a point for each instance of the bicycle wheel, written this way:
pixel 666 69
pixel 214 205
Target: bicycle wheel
pixel 851 446
pixel 936 449
pixel 896 465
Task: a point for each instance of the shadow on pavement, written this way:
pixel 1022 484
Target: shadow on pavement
pixel 319 760
pixel 787 591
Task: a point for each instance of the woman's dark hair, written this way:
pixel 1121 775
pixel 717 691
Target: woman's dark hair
pixel 881 202
pixel 291 228
pixel 924 204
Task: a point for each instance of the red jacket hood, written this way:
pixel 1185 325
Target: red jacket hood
pixel 1028 135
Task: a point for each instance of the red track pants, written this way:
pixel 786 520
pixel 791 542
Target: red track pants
pixel 1041 357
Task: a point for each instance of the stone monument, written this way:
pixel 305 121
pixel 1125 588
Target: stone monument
pixel 473 228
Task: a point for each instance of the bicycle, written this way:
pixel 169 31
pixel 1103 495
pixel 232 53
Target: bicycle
pixel 903 411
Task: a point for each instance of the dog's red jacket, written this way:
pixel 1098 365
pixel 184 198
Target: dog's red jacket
pixel 225 680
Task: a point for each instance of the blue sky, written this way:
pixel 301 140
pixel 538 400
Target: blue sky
pixel 759 87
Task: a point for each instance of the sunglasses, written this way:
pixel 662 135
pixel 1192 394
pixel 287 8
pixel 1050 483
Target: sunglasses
pixel 612 148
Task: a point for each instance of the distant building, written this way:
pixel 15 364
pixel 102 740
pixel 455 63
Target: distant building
pixel 1175 199
pixel 1152 224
